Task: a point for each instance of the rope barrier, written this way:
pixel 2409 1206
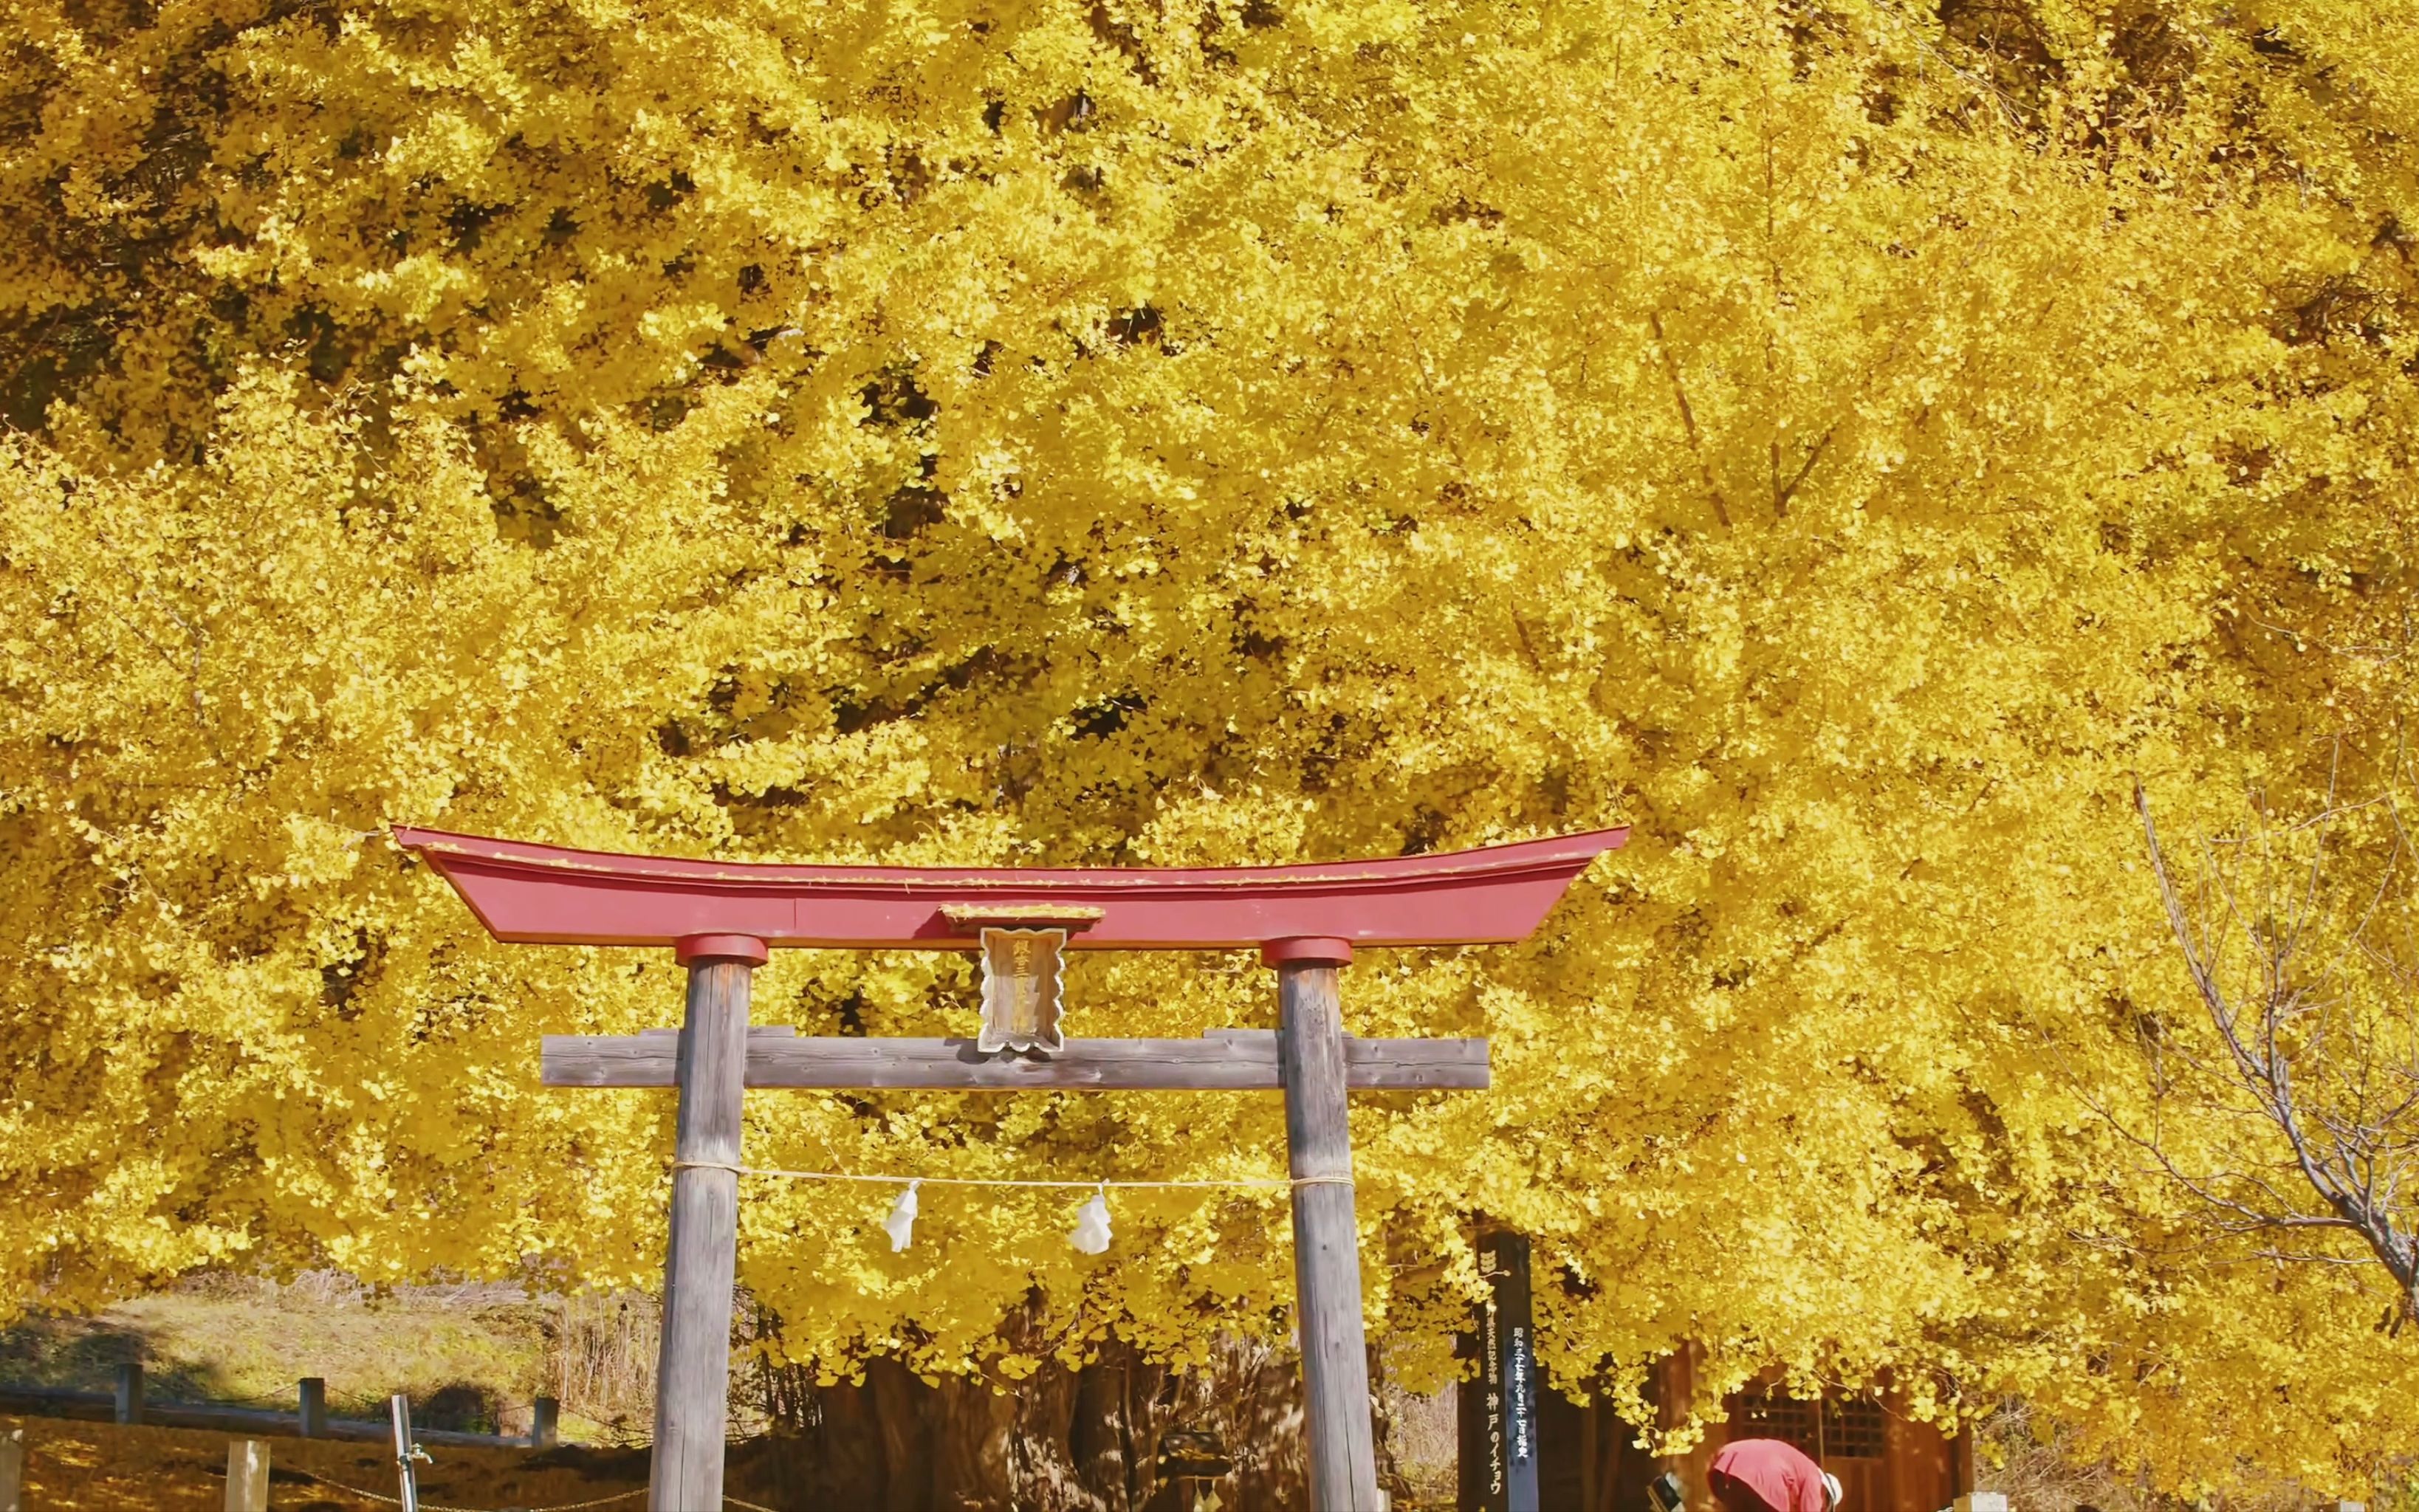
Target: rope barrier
pixel 559 1506
pixel 1266 1182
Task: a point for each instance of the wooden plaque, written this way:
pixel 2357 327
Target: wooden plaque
pixel 1020 989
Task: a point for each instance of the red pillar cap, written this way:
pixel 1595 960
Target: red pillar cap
pixel 691 948
pixel 1306 951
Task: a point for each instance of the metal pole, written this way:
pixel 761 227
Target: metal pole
pixel 398 1410
pixel 693 1369
pixel 1326 1243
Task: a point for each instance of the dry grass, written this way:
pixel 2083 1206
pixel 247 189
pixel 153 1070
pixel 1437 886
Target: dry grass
pixel 1423 1433
pixel 472 1356
pixel 100 1467
pixel 2036 1475
pixel 2033 1466
pixel 601 1363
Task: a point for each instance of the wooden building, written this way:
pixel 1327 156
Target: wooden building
pixel 1886 1460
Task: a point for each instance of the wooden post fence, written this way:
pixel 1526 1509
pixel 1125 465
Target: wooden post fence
pixel 12 1472
pixel 721 918
pixel 311 1406
pixel 247 1486
pixel 130 1393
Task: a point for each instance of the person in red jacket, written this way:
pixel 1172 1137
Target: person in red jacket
pixel 1767 1475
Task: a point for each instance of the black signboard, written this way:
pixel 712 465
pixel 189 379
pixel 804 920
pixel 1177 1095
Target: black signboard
pixel 1500 1408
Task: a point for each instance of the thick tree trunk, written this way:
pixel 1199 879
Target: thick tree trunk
pixel 1063 1440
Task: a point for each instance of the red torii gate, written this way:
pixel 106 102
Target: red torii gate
pixel 720 919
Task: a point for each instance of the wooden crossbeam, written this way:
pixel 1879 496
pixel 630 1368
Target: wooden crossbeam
pixel 1239 1060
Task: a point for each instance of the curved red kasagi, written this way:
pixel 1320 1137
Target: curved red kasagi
pixel 548 895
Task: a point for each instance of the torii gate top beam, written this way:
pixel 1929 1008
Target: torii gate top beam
pixel 548 895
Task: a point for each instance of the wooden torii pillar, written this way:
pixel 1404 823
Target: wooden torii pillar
pixel 720 920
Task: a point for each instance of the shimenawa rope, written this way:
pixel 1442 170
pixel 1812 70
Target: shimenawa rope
pixel 1263 1182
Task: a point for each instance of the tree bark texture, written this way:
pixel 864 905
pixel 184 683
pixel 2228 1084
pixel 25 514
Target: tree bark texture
pixel 1062 1440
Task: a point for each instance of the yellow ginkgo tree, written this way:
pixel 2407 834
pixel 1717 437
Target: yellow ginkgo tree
pixel 1850 443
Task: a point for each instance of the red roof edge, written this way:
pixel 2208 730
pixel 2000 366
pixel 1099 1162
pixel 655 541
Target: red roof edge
pixel 537 893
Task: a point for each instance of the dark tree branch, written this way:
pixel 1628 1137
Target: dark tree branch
pixel 2319 1026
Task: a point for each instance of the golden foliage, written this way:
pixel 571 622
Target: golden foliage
pixel 1845 442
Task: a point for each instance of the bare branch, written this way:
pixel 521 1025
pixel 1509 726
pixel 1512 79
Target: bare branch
pixel 2320 1033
